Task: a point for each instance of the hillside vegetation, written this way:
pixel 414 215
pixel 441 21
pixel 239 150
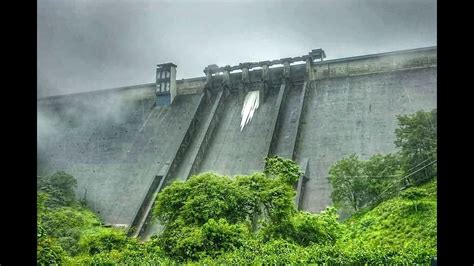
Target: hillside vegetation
pixel 215 219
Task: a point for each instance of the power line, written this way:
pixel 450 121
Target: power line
pixel 384 170
pixel 406 176
pixel 396 181
pixel 418 164
pixel 434 161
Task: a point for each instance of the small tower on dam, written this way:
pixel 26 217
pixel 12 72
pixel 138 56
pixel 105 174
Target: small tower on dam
pixel 165 88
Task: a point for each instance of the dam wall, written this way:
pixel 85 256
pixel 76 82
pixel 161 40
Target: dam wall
pixel 114 156
pixel 356 114
pixel 119 144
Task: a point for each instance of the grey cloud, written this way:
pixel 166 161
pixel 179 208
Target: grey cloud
pixel 96 44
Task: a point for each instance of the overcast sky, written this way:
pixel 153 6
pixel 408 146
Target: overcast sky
pixel 97 44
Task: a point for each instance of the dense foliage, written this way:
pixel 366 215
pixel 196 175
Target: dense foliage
pixel 60 188
pixel 215 219
pixel 359 183
pixel 416 136
pixel 211 214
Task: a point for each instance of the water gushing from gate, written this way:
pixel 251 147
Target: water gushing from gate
pixel 251 103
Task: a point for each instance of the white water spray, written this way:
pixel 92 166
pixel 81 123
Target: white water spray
pixel 251 102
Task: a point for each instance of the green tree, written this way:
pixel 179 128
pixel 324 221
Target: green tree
pixel 201 198
pixel 305 229
pixel 349 183
pixel 381 172
pixel 60 188
pixel 284 169
pixel 199 214
pixel 49 251
pixel 416 136
pixel 97 240
pixel 414 195
pixel 357 183
pixel 203 216
pixel 221 232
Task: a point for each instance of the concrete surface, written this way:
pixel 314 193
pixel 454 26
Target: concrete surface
pixel 356 115
pixel 234 152
pixel 288 124
pixel 114 162
pixel 114 141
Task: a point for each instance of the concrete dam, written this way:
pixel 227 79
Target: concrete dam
pixel 124 145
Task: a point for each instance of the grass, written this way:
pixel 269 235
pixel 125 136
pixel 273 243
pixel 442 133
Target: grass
pixel 396 223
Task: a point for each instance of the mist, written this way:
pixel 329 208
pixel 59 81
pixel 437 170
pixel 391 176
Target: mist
pixel 97 44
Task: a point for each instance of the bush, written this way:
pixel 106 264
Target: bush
pixel 60 188
pixel 49 251
pixel 284 169
pixel 99 239
pixel 306 229
pixel 416 136
pixel 201 198
pixel 414 195
pixel 212 219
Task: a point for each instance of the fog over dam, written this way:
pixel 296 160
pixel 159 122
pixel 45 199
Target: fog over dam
pixel 125 144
